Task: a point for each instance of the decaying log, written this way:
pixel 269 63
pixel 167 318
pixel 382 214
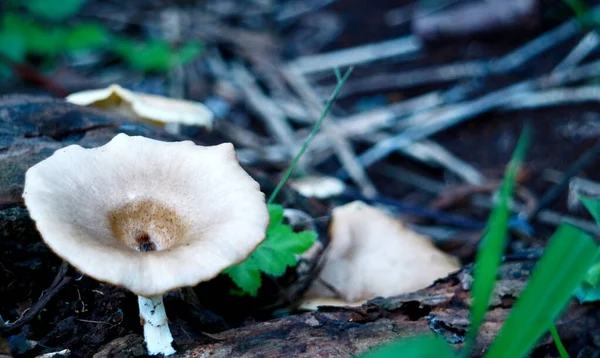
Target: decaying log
pixel 441 308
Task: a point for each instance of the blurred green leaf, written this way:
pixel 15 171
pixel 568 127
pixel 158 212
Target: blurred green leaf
pixel 189 52
pixel 493 243
pixel 13 47
pixel 54 10
pixel 578 7
pixel 587 293
pixel 39 40
pixel 593 206
pixel 151 56
pixel 568 256
pixel 429 346
pixel 87 36
pixel 155 55
pixel 46 42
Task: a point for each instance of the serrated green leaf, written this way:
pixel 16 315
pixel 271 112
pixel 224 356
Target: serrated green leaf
pixel 492 244
pixel 275 214
pixel 283 239
pixel 246 276
pixel 568 256
pixel 275 254
pixel 86 36
pixel 54 10
pixel 418 347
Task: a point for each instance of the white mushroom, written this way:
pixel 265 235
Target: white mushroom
pixel 321 187
pixel 147 215
pixel 372 254
pixel 168 111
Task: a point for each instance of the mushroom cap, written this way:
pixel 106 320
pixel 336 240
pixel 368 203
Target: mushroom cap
pixel 145 106
pixel 373 254
pixel 100 208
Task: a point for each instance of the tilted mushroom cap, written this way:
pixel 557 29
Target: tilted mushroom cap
pixel 196 206
pixel 373 254
pixel 145 106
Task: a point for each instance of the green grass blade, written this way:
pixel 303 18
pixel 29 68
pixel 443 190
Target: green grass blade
pixel 417 347
pixel 568 256
pixel 561 348
pixel 313 133
pixel 593 206
pixel 492 244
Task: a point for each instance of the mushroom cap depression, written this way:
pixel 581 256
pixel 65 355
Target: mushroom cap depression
pixel 147 215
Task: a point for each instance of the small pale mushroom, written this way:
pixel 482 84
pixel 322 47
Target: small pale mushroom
pixel 320 187
pixel 372 254
pixel 147 215
pixel 157 109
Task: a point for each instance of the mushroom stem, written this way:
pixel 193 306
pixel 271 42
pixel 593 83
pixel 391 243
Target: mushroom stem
pixel 157 335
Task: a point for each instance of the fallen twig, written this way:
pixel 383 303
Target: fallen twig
pixel 356 56
pixel 59 281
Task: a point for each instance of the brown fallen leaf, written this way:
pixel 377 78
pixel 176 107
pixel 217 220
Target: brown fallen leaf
pixel 372 254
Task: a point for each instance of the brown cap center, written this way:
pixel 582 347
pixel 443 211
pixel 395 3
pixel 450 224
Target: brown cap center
pixel 146 225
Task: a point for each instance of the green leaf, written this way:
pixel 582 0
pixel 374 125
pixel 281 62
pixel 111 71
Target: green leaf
pixel 587 293
pixel 189 52
pixel 39 41
pixel 274 255
pixel 417 347
pixel 150 56
pixel 86 36
pixel 246 276
pixel 46 42
pixel 13 47
pixel 275 214
pixel 589 289
pixel 568 256
pixel 593 206
pixel 559 345
pixel 54 10
pixel 493 243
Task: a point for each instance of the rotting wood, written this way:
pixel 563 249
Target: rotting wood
pixel 441 308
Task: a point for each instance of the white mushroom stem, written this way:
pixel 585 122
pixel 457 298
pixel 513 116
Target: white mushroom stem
pixel 157 335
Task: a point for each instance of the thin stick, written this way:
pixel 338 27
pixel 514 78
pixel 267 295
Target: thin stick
pixel 357 55
pixel 312 134
pixel 59 281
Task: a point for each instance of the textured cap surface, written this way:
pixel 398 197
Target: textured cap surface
pixel 101 209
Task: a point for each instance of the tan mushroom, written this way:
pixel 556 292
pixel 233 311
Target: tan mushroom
pixel 147 215
pixel 168 111
pixel 372 254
